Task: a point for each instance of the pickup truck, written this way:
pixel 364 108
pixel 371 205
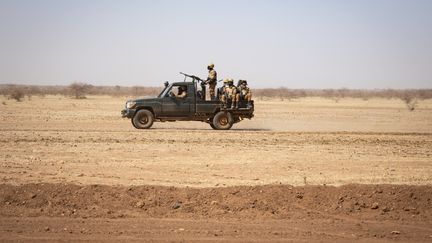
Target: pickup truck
pixel 193 107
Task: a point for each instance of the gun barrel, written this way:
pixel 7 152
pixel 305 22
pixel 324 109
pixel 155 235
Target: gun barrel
pixel 191 76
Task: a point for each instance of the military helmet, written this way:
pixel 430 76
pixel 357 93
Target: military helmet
pixel 243 82
pixel 231 81
pixel 182 88
pixel 226 81
pixel 211 65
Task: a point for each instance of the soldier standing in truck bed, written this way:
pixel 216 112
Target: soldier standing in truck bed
pixel 211 80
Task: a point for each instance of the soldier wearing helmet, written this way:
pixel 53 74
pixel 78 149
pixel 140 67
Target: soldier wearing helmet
pixel 244 92
pixel 211 80
pixel 229 92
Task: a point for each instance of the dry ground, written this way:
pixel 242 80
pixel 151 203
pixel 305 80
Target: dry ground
pixel 54 144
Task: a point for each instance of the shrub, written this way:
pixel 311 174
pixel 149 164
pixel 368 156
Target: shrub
pixel 16 94
pixel 410 101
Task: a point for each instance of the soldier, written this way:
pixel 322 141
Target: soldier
pixel 211 80
pixel 181 93
pixel 244 93
pixel 229 92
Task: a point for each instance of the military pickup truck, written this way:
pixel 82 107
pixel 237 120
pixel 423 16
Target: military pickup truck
pixel 166 107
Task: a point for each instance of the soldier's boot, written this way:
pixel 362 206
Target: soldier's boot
pixel 249 105
pixel 232 103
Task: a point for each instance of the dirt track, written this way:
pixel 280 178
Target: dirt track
pixel 208 158
pixel 67 146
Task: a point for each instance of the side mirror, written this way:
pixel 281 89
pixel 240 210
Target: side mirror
pixel 166 84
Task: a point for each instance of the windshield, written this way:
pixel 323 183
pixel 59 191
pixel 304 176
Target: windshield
pixel 160 95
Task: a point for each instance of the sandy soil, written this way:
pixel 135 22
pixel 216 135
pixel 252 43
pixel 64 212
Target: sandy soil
pixel 67 146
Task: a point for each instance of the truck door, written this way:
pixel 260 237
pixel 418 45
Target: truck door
pixel 174 105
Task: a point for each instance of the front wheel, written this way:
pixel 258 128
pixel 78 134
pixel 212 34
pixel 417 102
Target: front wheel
pixel 222 120
pixel 143 119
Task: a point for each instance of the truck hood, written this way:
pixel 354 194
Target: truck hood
pixel 145 100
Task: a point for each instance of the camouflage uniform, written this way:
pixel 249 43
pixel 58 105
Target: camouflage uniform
pixel 244 92
pixel 212 80
pixel 229 93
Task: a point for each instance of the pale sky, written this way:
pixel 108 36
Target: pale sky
pixel 295 44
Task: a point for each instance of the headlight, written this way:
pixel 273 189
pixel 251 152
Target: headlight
pixel 130 104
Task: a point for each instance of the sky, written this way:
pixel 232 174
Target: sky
pixel 313 44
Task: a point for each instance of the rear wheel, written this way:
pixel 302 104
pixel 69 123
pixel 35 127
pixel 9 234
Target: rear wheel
pixel 222 121
pixel 143 119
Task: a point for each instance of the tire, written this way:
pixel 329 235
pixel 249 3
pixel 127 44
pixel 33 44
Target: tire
pixel 143 119
pixel 212 126
pixel 222 120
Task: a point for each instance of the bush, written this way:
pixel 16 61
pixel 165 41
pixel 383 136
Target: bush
pixel 16 94
pixel 410 101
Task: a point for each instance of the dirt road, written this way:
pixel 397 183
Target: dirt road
pixel 83 149
pixel 207 158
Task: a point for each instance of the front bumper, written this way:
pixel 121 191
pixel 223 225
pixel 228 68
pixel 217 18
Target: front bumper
pixel 129 113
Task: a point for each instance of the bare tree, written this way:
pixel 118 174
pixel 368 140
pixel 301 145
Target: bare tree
pixel 79 90
pixel 410 101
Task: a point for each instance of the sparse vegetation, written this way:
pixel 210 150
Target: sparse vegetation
pixel 339 94
pixel 80 90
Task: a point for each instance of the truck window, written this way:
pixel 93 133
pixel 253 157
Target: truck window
pixel 179 91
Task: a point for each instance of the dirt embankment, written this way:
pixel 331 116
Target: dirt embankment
pixel 251 213
pixel 272 201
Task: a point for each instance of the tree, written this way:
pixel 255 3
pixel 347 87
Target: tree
pixel 79 90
